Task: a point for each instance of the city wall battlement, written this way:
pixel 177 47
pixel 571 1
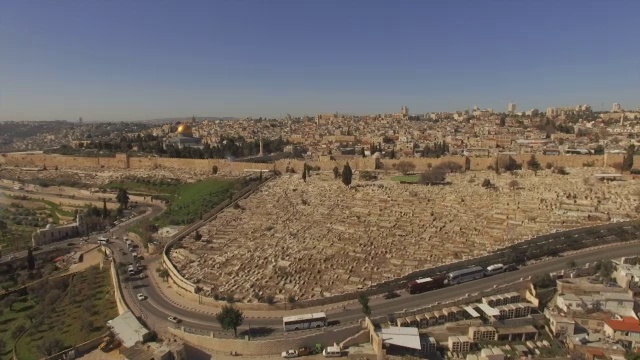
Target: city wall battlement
pixel 123 161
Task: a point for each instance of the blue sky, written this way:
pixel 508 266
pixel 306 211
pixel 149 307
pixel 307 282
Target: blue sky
pixel 135 60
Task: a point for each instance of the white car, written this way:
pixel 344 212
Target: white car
pixel 290 354
pixel 173 319
pixel 141 297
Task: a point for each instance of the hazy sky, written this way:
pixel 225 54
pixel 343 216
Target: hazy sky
pixel 134 60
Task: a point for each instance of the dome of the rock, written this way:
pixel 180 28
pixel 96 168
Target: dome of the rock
pixel 185 129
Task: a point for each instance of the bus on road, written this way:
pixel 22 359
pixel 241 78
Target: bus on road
pixel 426 284
pixel 306 321
pixel 464 275
pixel 495 269
pixel 103 240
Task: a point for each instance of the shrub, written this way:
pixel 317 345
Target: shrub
pixel 509 164
pixel 405 167
pixel 432 176
pixel 367 176
pixel 486 183
pixel 589 164
pixel 269 299
pixel 549 166
pixel 448 166
pixel 560 170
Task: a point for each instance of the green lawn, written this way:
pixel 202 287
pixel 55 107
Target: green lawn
pixel 406 178
pixel 144 188
pixel 192 200
pixel 80 316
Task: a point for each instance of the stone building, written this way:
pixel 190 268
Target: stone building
pixel 52 233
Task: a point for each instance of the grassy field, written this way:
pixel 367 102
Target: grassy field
pixel 55 209
pixel 144 188
pixel 192 200
pixel 80 316
pixel 406 178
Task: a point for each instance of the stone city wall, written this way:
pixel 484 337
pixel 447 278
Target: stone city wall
pixel 356 163
pixel 422 164
pixel 570 161
pixel 122 161
pixel 326 337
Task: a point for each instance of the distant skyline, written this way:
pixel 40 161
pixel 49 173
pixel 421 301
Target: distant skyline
pixel 137 60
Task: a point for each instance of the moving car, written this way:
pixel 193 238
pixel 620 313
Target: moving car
pixel 290 354
pixel 141 297
pixel 511 267
pixel 173 319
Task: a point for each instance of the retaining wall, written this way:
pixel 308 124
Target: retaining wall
pixel 266 347
pixel 570 239
pixel 79 349
pixel 520 286
pixel 174 275
pixel 115 279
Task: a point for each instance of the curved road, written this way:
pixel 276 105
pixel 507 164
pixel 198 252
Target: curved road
pixel 156 308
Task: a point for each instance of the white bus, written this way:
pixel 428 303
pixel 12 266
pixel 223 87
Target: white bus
pixel 307 321
pixel 494 269
pixel 464 275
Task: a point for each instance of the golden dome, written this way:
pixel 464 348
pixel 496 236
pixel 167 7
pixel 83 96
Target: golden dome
pixel 185 129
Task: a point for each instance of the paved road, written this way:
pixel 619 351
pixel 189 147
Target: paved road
pixel 156 308
pixel 93 238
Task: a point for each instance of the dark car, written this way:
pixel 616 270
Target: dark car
pixel 511 267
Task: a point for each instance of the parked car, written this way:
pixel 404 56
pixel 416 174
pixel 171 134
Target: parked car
pixel 173 319
pixel 304 351
pixel 141 297
pixel 290 354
